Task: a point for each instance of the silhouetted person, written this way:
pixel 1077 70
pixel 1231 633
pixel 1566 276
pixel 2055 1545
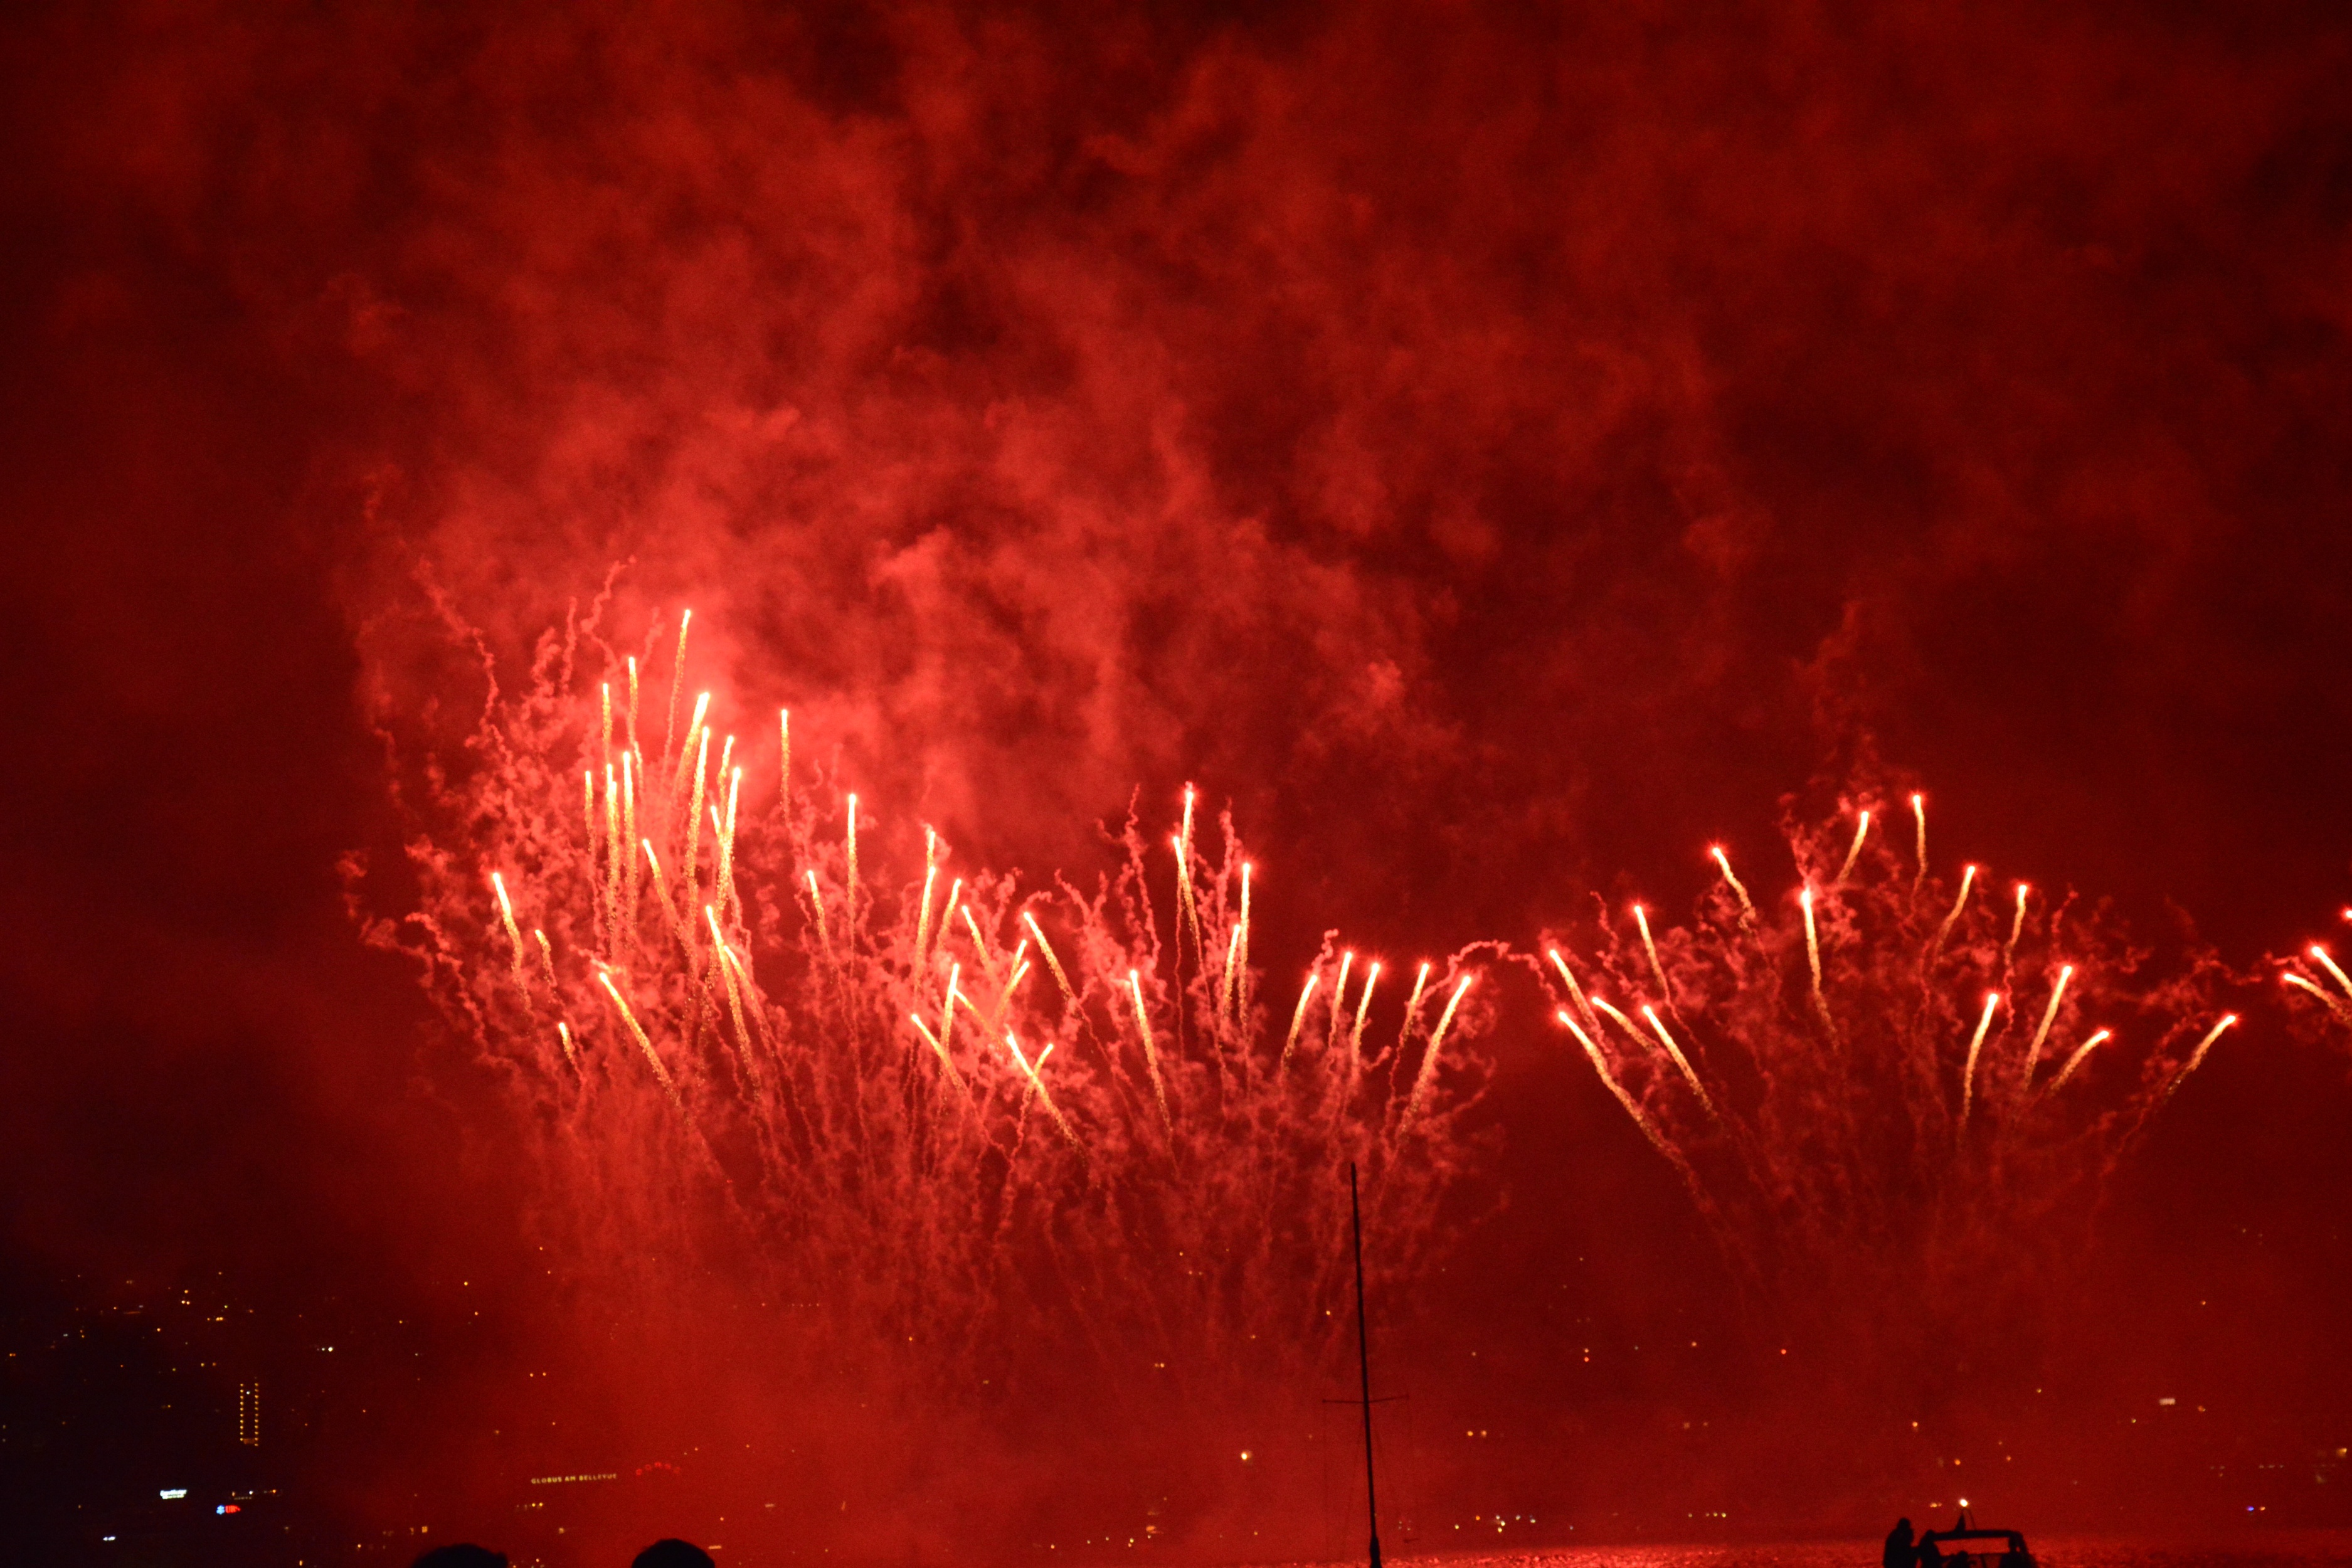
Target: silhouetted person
pixel 1899 1553
pixel 1928 1554
pixel 466 1555
pixel 673 1554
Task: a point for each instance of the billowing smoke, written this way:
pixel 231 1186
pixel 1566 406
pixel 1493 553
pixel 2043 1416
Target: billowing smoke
pixel 1483 447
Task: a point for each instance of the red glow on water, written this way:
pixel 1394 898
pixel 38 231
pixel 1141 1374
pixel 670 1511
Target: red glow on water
pixel 1487 442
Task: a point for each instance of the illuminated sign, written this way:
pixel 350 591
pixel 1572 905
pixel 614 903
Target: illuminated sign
pixel 172 1494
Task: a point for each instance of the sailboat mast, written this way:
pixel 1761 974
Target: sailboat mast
pixel 1364 1363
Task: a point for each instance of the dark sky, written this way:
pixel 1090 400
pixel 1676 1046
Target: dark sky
pixel 1502 449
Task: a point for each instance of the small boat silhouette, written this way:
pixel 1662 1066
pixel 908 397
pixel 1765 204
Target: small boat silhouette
pixel 2011 1553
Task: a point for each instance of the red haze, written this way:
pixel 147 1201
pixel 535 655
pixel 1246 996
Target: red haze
pixel 1492 447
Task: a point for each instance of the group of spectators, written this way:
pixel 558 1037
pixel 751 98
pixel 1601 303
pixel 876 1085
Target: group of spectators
pixel 660 1555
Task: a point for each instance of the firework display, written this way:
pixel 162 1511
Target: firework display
pixel 2319 983
pixel 1880 1085
pixel 963 1112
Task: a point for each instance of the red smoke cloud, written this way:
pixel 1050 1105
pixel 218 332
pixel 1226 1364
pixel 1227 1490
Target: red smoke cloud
pixel 1532 395
pixel 1485 445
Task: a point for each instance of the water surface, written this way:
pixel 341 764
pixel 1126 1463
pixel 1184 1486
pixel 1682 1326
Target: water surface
pixel 2281 1549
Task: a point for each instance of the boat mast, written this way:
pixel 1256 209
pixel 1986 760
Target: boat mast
pixel 1364 1363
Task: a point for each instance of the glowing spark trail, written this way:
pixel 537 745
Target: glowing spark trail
pixel 1363 1006
pixel 2049 1014
pixel 740 977
pixel 1412 1008
pixel 1746 910
pixel 686 752
pixel 948 999
pixel 1044 1097
pixel 677 683
pixel 2343 1015
pixel 1240 968
pixel 931 879
pixel 1151 1052
pixel 506 913
pixel 1574 990
pixel 633 702
pixel 985 1020
pixel 1633 1106
pixel 849 898
pixel 1192 909
pixel 2196 1060
pixel 722 956
pixel 1976 1044
pixel 1814 960
pixel 1812 944
pixel 1019 969
pixel 612 914
pixel 2320 954
pixel 2016 927
pixel 1689 1075
pixel 1622 1022
pixel 661 894
pixel 2197 1056
pixel 1052 962
pixel 979 945
pixel 1967 879
pixel 1338 999
pixel 1226 985
pixel 947 1063
pixel 1436 1043
pixel 723 884
pixel 816 903
pixel 1298 1018
pixel 653 1058
pixel 1853 851
pixel 628 833
pixel 2081 1051
pixel 784 756
pixel 948 910
pixel 694 811
pixel 1919 811
pixel 1666 992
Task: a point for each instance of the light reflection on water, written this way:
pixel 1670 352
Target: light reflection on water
pixel 2281 1549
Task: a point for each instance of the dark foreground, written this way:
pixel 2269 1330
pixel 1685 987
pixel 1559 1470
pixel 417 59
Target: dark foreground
pixel 2281 1549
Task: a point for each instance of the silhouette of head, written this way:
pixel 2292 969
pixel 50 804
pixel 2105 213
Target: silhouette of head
pixel 464 1556
pixel 1904 1525
pixel 673 1554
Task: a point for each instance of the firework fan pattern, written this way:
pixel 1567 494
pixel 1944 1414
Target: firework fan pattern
pixel 1880 1087
pixel 2320 989
pixel 963 1112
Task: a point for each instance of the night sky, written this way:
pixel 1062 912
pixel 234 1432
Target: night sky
pixel 1501 450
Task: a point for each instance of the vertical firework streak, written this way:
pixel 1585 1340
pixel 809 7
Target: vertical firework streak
pixel 1856 1092
pixel 766 1032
